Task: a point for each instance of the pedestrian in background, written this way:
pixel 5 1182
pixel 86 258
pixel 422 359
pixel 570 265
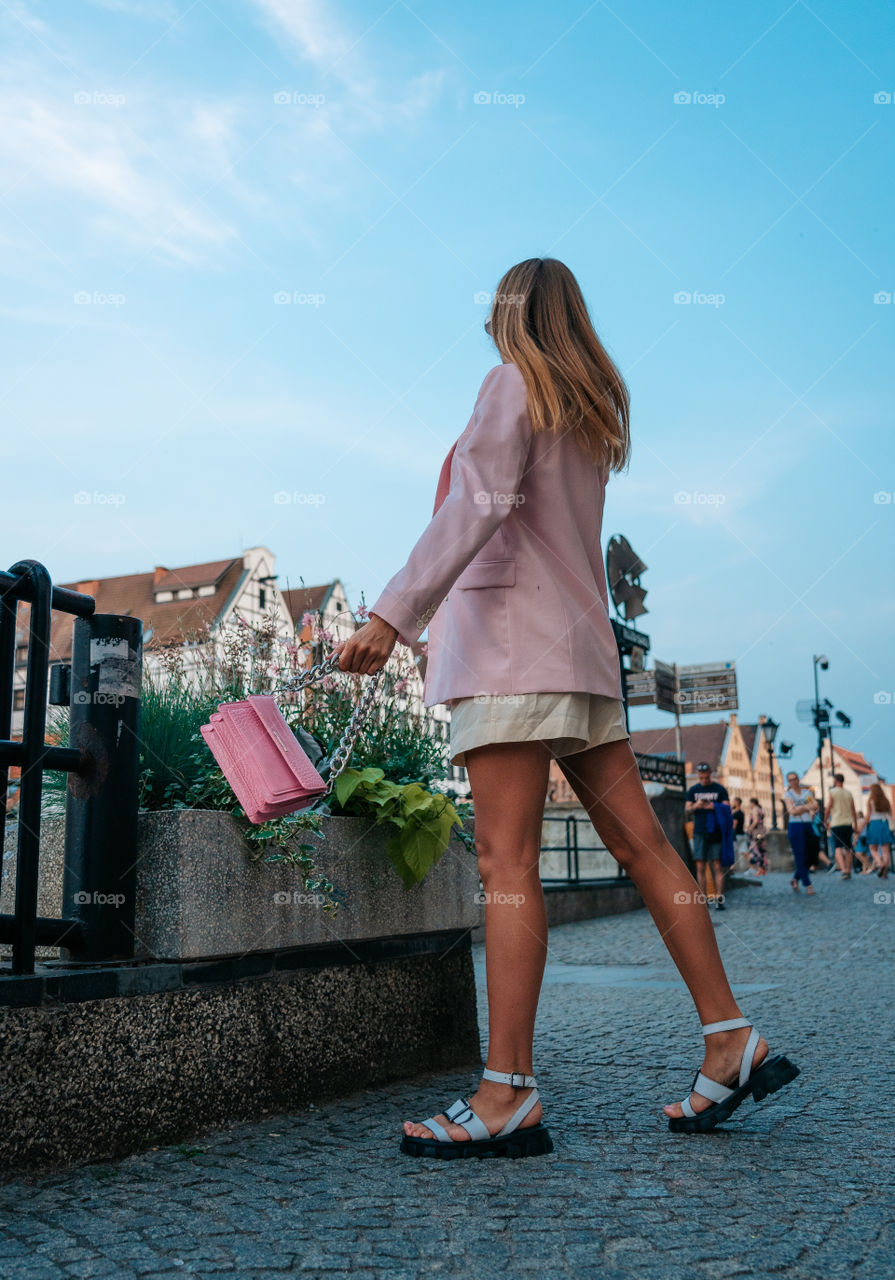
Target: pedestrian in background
pixel 841 820
pixel 757 833
pixel 701 800
pixel 863 856
pixel 816 843
pixel 800 809
pixel 879 831
pixel 738 818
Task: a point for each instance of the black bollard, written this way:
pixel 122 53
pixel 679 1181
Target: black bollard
pixel 100 877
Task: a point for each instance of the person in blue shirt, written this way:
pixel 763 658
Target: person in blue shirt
pixel 701 800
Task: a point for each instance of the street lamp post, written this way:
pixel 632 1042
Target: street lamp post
pixel 821 713
pixel 769 728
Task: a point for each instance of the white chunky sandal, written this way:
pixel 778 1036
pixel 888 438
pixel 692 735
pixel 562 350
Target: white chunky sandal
pixel 510 1141
pixel 772 1075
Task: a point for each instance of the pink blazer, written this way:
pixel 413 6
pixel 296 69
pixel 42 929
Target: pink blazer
pixel 508 574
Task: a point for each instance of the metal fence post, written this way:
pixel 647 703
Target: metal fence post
pixel 32 761
pixel 100 877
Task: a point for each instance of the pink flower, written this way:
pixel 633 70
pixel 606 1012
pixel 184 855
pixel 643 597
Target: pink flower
pixel 362 611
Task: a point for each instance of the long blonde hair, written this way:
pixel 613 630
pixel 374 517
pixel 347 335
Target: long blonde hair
pixel 540 322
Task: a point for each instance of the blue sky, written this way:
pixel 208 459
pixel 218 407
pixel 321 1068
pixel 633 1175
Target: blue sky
pixel 170 166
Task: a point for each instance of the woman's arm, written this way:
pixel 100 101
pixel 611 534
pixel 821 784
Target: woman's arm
pixel 489 462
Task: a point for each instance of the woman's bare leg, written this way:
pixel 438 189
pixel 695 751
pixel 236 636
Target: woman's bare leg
pixel 509 788
pixel 607 782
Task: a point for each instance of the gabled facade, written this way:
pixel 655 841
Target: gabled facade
pixel 737 753
pixel 857 770
pixel 202 599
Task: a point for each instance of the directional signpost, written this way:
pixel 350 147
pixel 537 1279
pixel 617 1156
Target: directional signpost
pixel 684 690
pixel 707 686
pixel 687 690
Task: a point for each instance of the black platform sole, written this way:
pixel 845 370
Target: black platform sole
pixel 772 1075
pixel 533 1141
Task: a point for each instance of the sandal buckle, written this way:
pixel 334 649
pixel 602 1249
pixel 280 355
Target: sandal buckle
pixel 517 1075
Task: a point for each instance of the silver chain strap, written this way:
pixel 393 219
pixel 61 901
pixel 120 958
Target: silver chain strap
pixel 339 758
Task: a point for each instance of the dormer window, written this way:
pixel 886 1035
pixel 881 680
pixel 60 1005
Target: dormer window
pixel 162 597
pixel 207 591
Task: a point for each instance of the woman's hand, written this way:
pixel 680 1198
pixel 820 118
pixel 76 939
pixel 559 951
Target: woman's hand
pixel 369 648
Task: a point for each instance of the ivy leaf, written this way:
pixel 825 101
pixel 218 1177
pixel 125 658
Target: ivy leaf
pixel 416 798
pixel 395 853
pixel 350 779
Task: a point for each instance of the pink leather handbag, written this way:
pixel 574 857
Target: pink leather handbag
pixel 261 757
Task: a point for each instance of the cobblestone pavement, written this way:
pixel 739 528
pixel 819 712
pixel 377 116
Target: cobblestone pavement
pixel 801 1185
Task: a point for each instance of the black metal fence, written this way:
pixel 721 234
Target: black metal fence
pixel 571 845
pixel 101 687
pixel 671 773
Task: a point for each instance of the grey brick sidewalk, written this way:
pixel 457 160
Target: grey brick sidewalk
pixel 801 1186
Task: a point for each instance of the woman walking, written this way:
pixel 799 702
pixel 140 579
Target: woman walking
pixel 878 830
pixel 509 576
pixel 757 834
pixel 801 807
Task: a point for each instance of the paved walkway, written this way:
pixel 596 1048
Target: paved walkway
pixel 801 1186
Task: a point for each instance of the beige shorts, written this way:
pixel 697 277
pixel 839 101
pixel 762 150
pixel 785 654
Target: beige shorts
pixel 564 722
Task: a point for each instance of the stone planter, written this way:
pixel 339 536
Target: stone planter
pixel 200 895
pixel 243 1001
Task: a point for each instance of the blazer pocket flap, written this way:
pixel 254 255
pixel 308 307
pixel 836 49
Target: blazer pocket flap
pixel 488 573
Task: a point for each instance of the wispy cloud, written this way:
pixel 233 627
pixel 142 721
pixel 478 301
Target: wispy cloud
pixel 120 184
pixel 367 100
